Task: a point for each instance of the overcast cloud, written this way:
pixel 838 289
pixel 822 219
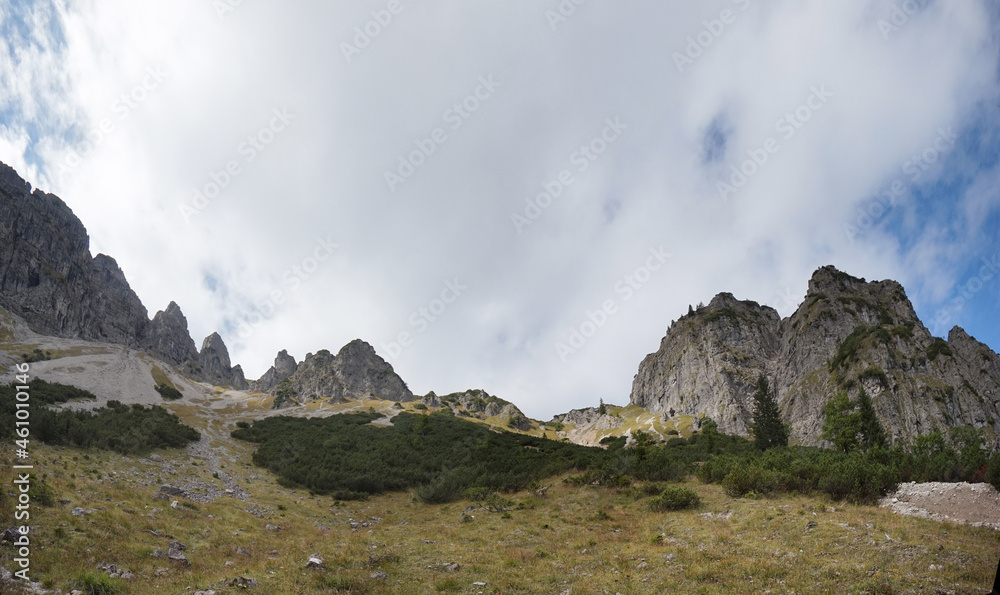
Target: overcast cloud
pixel 371 184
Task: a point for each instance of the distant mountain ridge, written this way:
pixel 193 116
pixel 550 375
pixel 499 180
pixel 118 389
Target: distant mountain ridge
pixel 50 280
pixel 847 334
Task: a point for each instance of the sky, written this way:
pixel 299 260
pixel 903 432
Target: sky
pixel 517 196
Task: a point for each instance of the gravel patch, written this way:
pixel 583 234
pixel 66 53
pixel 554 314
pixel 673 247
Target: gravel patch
pixel 976 504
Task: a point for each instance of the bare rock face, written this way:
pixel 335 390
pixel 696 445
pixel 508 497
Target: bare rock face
pixel 847 334
pixel 49 277
pixel 356 372
pixel 167 336
pixel 284 366
pixel 215 365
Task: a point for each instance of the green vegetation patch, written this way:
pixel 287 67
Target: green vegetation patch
pixel 36 355
pixel 675 498
pixel 117 427
pixel 847 351
pixel 938 347
pixel 168 392
pixel 160 377
pixel 875 373
pixel 344 455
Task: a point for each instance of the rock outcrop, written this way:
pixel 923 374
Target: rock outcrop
pixel 215 366
pixel 167 336
pixel 479 404
pixel 847 334
pixel 284 366
pixel 356 372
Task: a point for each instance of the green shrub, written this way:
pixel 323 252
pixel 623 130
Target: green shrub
pixel 36 355
pixel 744 479
pixel 675 498
pixel 861 477
pixel 168 392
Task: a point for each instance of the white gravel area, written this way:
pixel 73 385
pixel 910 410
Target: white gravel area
pixel 976 504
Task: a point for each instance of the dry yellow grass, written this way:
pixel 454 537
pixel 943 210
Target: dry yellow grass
pixel 587 540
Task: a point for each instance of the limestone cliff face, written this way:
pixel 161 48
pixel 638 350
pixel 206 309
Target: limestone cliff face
pixel 847 334
pixel 49 277
pixel 215 366
pixel 356 372
pixel 708 362
pixel 167 336
pixel 50 280
pixel 284 366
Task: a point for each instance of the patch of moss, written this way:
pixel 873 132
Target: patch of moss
pixel 938 347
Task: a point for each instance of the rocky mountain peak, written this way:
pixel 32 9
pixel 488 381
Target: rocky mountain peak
pixel 284 366
pixel 356 372
pixel 215 366
pixel 829 279
pixel 848 333
pixel 168 336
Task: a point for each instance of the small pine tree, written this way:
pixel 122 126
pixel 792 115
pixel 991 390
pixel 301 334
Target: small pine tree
pixel 841 423
pixel 602 410
pixel 872 432
pixel 768 429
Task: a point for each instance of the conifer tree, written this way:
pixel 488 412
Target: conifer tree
pixel 768 429
pixel 841 423
pixel 872 432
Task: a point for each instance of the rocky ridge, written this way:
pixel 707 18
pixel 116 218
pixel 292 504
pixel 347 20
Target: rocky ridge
pixel 847 334
pixel 284 366
pixel 50 280
pixel 479 404
pixel 356 372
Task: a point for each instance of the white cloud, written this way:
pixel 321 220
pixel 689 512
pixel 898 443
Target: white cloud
pixel 323 174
